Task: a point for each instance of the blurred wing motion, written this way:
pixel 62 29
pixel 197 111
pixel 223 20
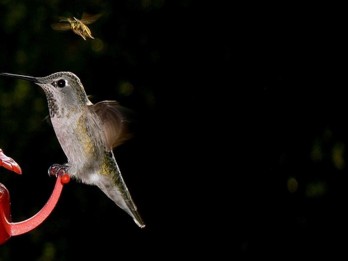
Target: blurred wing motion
pixel 88 18
pixel 114 124
pixel 61 26
pixel 9 163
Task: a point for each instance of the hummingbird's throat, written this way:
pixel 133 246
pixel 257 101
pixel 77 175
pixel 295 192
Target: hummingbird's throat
pixel 52 104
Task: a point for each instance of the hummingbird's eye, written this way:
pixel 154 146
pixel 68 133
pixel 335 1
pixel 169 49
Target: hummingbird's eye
pixel 61 83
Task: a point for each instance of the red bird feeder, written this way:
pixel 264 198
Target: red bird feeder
pixel 8 228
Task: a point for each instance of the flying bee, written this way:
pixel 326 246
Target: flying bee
pixel 78 26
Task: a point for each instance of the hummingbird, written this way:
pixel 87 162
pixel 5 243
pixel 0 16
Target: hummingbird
pixel 87 134
pixel 78 26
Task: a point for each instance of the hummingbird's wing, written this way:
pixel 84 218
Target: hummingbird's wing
pixel 89 18
pixel 113 122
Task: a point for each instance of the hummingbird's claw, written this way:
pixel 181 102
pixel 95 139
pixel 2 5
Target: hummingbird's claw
pixel 58 170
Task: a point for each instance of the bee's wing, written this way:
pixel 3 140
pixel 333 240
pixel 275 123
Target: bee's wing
pixel 88 18
pixel 61 26
pixel 63 19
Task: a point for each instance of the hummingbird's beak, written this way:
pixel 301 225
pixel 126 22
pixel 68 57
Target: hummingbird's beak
pixel 18 76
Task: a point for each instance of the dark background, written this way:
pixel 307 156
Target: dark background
pixel 239 122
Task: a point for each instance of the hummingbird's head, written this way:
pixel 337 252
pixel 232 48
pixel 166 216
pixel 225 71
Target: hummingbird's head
pixel 64 91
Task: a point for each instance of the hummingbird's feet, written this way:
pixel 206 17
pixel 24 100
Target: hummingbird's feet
pixel 58 170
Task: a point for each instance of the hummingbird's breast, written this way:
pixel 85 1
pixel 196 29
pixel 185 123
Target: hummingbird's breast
pixel 81 139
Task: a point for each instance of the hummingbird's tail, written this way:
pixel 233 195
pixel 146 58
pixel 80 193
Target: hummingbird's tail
pixel 118 192
pixel 137 219
pixel 126 202
pixel 112 184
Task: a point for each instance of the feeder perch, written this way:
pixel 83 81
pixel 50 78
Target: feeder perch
pixel 9 228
